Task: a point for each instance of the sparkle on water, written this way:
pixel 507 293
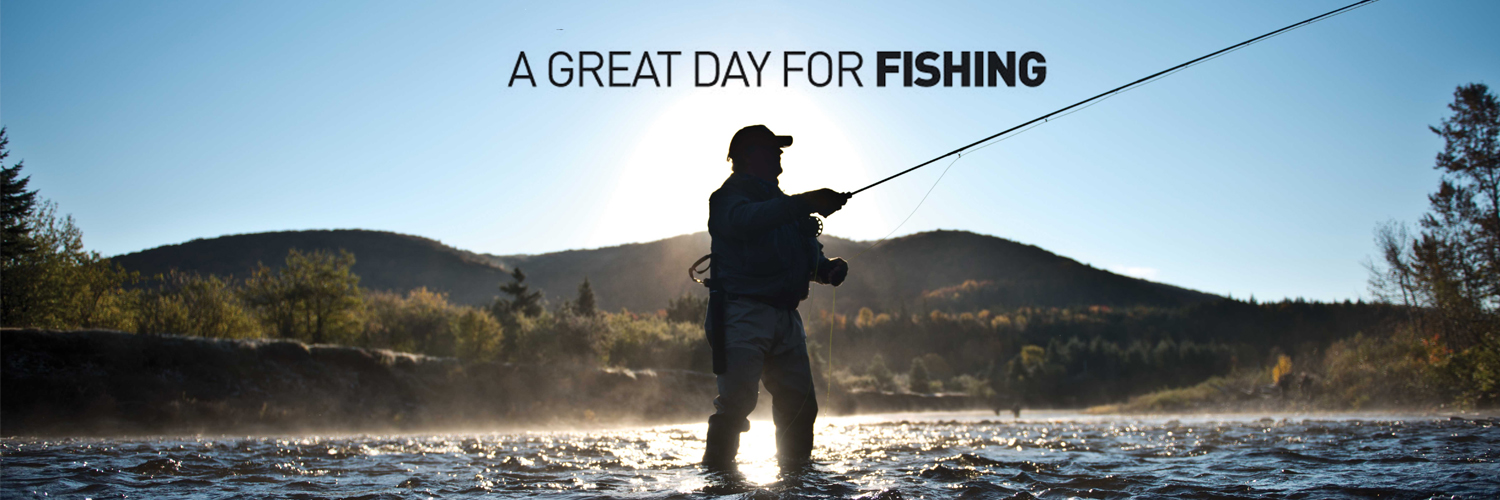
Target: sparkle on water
pixel 968 455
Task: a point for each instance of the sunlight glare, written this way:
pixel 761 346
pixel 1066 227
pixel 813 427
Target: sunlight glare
pixel 757 458
pixel 662 187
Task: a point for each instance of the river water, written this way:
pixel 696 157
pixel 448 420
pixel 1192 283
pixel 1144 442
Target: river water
pixel 956 455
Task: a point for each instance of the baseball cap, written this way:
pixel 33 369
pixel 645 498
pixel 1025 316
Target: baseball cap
pixel 753 135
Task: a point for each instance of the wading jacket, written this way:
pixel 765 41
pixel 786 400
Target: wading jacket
pixel 760 249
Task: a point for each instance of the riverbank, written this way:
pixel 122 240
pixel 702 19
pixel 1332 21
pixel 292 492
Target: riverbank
pixel 1253 391
pixel 98 382
pixel 109 383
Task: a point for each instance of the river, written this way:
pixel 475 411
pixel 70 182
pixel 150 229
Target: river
pixel 929 455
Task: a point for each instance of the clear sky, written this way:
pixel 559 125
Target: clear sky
pixel 1261 173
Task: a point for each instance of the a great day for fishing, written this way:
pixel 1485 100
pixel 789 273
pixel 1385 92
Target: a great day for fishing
pixel 1073 249
pixel 816 66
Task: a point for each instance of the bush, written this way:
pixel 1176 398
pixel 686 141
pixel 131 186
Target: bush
pixel 477 334
pixel 882 376
pixel 425 322
pixel 651 342
pixel 1368 371
pixel 971 385
pixel 917 379
pixel 189 304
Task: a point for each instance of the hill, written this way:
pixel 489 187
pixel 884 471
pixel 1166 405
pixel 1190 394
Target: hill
pixel 383 260
pixel 960 270
pixel 938 269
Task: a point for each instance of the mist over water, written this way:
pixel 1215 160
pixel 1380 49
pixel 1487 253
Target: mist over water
pixel 956 455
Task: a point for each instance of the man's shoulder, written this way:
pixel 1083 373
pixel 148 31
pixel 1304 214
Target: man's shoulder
pixel 735 185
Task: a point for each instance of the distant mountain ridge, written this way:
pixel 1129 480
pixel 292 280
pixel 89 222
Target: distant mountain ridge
pixel 937 269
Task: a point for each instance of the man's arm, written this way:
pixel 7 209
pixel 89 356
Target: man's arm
pixel 740 217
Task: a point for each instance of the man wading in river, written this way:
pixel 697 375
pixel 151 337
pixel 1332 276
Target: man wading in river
pixel 765 253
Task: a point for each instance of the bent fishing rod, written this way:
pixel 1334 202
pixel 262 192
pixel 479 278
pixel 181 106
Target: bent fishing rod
pixel 1122 88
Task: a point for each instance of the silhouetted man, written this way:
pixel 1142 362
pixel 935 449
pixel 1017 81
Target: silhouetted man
pixel 765 253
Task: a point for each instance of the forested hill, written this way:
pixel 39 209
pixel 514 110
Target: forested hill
pixel 941 269
pixel 383 260
pixel 960 270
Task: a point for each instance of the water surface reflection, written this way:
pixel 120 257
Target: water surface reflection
pixel 968 455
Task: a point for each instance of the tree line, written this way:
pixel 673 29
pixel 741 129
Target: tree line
pixel 1045 356
pixel 1068 357
pixel 1432 331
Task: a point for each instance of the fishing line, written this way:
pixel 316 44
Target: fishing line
pixel 833 301
pixel 1155 76
pixel 1042 120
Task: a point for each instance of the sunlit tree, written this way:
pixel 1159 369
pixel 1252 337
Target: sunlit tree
pixel 314 297
pixel 59 284
pixel 192 304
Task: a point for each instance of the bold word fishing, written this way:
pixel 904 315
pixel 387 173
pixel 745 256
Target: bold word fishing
pixel 794 68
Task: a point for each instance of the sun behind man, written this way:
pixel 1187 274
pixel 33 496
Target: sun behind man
pixel 765 253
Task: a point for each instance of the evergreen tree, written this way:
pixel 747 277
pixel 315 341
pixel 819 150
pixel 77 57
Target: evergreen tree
pixel 47 279
pixel 1453 264
pixel 585 304
pixel 16 204
pixel 522 300
pixel 1466 206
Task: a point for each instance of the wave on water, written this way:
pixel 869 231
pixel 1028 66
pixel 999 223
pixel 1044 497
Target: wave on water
pixel 887 456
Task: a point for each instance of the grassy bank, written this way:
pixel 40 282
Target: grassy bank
pixel 1398 371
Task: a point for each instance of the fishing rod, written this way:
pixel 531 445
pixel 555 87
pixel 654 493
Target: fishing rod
pixel 1043 119
pixel 1127 86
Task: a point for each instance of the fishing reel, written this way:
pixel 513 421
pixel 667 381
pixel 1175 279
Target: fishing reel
pixel 812 226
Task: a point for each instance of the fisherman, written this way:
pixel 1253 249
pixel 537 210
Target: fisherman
pixel 765 253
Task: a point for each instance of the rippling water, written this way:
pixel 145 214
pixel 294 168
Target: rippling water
pixel 889 456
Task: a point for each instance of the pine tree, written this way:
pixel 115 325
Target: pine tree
pixel 1465 214
pixel 16 203
pixel 522 300
pixel 17 273
pixel 1452 266
pixel 585 304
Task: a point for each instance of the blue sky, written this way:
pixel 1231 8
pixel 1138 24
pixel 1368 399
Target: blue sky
pixel 1260 173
